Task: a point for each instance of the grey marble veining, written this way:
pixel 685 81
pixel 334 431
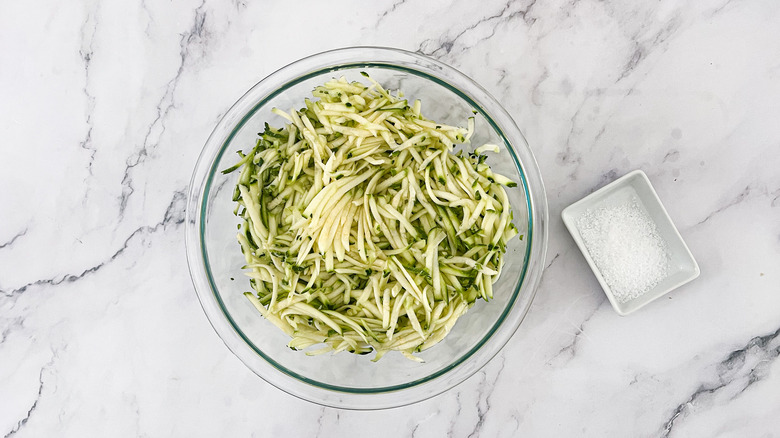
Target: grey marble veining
pixel 106 107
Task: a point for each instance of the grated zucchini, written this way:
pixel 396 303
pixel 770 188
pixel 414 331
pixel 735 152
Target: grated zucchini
pixel 362 229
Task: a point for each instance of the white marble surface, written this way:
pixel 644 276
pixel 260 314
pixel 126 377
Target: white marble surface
pixel 105 106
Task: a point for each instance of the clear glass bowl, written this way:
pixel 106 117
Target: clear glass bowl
pixel 345 380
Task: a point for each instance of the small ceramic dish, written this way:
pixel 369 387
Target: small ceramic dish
pixel 682 266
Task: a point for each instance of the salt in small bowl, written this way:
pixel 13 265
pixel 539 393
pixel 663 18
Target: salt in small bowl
pixel 635 185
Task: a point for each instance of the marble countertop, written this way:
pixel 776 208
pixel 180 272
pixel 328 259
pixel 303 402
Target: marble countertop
pixel 106 106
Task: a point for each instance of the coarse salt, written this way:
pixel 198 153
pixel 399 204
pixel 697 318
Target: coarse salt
pixel 625 245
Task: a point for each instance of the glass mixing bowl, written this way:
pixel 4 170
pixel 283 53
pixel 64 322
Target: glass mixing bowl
pixel 346 380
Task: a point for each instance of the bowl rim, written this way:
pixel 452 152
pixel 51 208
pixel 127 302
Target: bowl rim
pixel 270 87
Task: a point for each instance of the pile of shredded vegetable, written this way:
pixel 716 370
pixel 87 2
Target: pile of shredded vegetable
pixel 362 229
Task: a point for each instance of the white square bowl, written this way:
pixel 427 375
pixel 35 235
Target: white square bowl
pixel 682 266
